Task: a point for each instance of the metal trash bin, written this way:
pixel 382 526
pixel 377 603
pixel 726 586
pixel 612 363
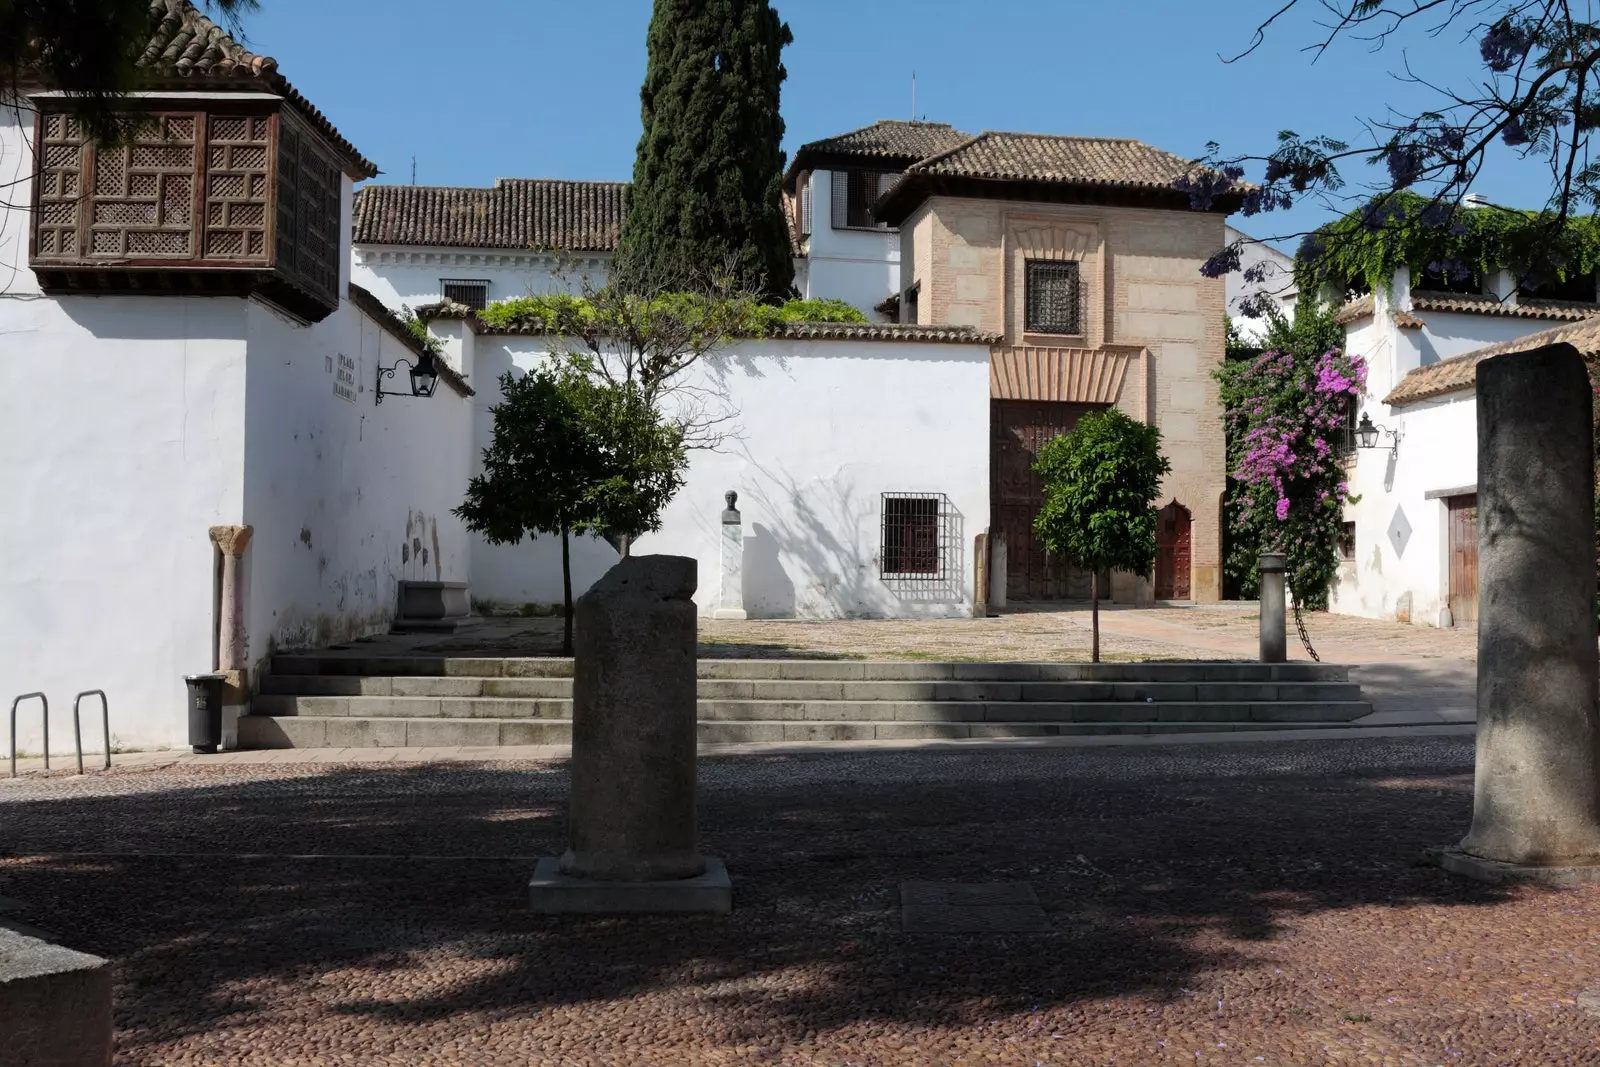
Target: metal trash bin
pixel 205 710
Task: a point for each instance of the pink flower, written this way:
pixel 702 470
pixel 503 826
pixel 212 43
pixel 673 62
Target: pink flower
pixel 1283 508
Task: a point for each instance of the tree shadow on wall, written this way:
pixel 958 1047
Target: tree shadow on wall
pixel 397 893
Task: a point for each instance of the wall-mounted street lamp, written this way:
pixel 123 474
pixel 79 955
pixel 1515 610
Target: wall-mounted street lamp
pixel 1367 434
pixel 424 378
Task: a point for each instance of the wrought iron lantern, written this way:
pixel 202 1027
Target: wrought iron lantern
pixel 1368 433
pixel 424 378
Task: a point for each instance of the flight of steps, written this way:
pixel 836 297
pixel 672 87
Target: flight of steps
pixel 339 701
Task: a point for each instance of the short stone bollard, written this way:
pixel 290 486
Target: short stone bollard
pixel 55 1004
pixel 1274 623
pixel 1536 804
pixel 632 832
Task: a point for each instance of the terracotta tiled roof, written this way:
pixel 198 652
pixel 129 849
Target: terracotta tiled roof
pixel 1472 304
pixel 798 331
pixel 1407 321
pixel 1051 158
pixel 188 47
pixel 379 313
pixel 1454 375
pixel 892 142
pixel 516 213
pixel 1088 163
pixel 1354 310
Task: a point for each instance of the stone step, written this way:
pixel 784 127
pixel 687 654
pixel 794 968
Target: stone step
pixel 778 689
pixel 266 732
pixel 355 665
pixel 454 708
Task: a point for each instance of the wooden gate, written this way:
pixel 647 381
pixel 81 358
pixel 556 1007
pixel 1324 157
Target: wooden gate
pixel 1172 552
pixel 1019 429
pixel 1463 559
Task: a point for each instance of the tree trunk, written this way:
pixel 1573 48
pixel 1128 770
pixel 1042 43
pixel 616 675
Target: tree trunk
pixel 566 590
pixel 1094 611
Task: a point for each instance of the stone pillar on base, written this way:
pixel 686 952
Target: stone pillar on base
pixel 232 639
pixel 1536 805
pixel 632 833
pixel 730 593
pixel 1274 624
pixel 997 569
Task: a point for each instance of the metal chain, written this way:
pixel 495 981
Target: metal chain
pixel 1300 624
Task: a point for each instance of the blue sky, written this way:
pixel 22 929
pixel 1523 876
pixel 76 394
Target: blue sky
pixel 480 89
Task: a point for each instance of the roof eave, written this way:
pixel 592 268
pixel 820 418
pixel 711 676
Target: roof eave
pixel 900 200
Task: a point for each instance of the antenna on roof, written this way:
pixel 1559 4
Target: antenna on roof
pixel 413 170
pixel 913 96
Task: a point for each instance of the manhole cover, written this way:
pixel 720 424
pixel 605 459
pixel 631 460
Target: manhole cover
pixel 970 908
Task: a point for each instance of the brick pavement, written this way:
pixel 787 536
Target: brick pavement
pixel 1207 904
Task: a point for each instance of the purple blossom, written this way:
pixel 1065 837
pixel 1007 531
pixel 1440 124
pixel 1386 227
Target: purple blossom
pixel 1503 44
pixel 1283 508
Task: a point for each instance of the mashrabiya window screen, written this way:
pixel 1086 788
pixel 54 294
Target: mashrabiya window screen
pixel 916 536
pixel 1052 297
pixel 854 193
pixel 473 294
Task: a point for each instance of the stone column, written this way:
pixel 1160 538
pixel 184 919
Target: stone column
pixel 997 569
pixel 232 540
pixel 980 576
pixel 1274 625
pixel 632 833
pixel 730 594
pixel 232 644
pixel 1537 797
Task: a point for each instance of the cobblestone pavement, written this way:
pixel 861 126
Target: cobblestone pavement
pixel 1211 904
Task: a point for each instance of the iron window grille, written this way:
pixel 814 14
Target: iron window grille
pixel 1052 297
pixel 918 539
pixel 854 193
pixel 1347 541
pixel 1342 438
pixel 474 294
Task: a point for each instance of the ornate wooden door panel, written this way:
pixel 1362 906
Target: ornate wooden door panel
pixel 1172 552
pixel 1463 559
pixel 1020 428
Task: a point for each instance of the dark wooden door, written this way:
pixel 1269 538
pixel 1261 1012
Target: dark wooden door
pixel 1172 552
pixel 1463 559
pixel 1020 428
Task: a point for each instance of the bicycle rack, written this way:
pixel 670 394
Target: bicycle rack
pixel 77 726
pixel 42 700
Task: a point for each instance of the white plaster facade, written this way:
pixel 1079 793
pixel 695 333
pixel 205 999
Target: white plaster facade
pixel 132 424
pixel 403 276
pixel 1277 281
pixel 859 266
pixel 817 444
pixel 1401 564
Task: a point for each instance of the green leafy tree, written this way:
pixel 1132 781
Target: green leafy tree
pixel 707 181
pixel 571 455
pixel 90 48
pixel 1101 482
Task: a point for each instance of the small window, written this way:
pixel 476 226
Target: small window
pixel 913 535
pixel 1347 542
pixel 803 206
pixel 854 193
pixel 1052 297
pixel 473 294
pixel 1342 437
pixel 908 308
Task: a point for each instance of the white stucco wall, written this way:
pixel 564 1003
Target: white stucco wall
pixel 825 427
pixel 405 276
pixel 346 498
pixel 860 267
pixel 1278 281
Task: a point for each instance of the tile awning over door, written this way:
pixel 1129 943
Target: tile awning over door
pixel 1073 375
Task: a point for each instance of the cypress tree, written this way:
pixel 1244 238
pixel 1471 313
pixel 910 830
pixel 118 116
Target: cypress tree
pixel 708 178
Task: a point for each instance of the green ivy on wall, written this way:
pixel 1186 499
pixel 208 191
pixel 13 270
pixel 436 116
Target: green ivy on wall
pixel 1364 247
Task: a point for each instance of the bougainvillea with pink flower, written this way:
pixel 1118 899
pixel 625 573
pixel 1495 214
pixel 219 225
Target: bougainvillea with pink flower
pixel 1288 412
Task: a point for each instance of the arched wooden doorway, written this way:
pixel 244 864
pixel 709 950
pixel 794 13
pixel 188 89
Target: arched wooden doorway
pixel 1172 552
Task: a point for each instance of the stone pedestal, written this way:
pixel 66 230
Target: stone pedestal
pixel 632 833
pixel 1274 623
pixel 1537 796
pixel 55 1004
pixel 997 569
pixel 730 594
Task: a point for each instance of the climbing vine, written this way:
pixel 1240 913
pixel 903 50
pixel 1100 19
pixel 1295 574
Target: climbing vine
pixel 1364 247
pixel 1285 410
pixel 565 313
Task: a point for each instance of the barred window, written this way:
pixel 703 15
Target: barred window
pixel 1347 541
pixel 854 193
pixel 1051 297
pixel 1342 437
pixel 474 294
pixel 915 535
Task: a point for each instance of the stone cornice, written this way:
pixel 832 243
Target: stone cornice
pixel 483 258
